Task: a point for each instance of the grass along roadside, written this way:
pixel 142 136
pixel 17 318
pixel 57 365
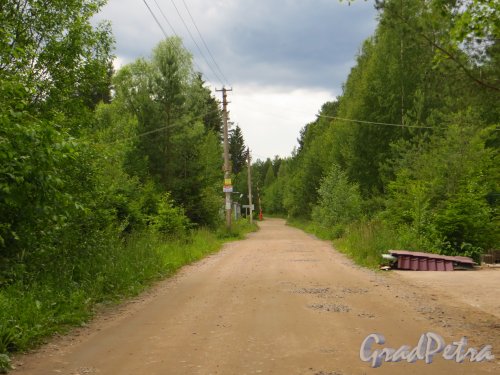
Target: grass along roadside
pixel 312 228
pixel 56 300
pixel 364 242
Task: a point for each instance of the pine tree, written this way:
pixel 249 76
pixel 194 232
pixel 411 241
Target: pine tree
pixel 237 150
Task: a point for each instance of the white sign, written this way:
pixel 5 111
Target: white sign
pixel 248 206
pixel 227 189
pixel 429 345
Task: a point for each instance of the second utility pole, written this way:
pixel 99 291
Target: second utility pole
pixel 227 165
pixel 250 185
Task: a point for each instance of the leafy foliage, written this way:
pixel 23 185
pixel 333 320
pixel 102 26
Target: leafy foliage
pixel 107 190
pixel 441 189
pixel 170 104
pixel 413 138
pixel 54 52
pixel 169 219
pixel 339 200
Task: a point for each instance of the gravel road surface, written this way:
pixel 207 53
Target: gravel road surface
pixel 278 302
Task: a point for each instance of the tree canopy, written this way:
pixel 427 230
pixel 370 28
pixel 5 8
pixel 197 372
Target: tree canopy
pixel 413 139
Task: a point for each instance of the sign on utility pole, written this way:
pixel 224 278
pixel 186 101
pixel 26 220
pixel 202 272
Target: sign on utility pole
pixel 228 187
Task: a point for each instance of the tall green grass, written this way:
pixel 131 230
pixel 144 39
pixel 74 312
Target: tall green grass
pixel 363 241
pixel 366 241
pixel 312 227
pixel 59 297
pixel 239 229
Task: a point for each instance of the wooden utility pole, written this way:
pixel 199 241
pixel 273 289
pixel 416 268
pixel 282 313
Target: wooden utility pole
pixel 250 184
pixel 228 187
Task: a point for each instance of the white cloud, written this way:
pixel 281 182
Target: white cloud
pixel 118 62
pixel 284 58
pixel 271 117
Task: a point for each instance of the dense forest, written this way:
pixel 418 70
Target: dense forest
pixel 112 179
pixel 407 156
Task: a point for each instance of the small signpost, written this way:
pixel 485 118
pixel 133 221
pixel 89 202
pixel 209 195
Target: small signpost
pixel 247 207
pixel 228 186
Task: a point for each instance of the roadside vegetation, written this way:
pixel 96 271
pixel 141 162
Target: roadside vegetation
pixel 66 292
pixel 407 156
pixel 109 180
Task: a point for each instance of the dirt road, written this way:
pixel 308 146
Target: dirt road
pixel 279 302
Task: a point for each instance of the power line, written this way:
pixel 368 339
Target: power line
pixel 145 133
pixel 376 123
pixel 166 19
pixel 162 128
pixel 196 44
pixel 163 30
pixel 291 109
pixel 206 46
pixel 302 111
pixel 156 19
pixel 173 30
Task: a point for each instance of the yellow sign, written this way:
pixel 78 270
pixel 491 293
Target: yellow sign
pixel 227 181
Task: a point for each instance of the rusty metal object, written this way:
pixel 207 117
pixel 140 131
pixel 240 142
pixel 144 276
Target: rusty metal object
pixel 418 261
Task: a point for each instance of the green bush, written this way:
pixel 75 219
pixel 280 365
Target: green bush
pixel 169 219
pixel 440 192
pixel 209 207
pixel 339 200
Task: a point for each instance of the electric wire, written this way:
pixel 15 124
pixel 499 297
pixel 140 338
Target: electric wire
pixel 156 19
pixel 165 18
pixel 196 44
pixel 174 32
pixel 163 30
pixel 376 123
pixel 145 133
pixel 205 44
pixel 385 123
pixel 162 128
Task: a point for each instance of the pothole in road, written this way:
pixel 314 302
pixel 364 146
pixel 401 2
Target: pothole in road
pixel 366 315
pixel 330 307
pixel 329 292
pixel 311 290
pixel 322 372
pixel 349 290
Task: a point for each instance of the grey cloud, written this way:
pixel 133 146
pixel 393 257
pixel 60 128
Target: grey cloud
pixel 293 43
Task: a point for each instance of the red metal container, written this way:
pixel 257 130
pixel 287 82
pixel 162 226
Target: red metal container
pixel 418 261
pixel 414 264
pixel 431 264
pixel 422 264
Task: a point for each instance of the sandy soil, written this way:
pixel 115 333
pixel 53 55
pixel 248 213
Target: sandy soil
pixel 279 302
pixel 479 288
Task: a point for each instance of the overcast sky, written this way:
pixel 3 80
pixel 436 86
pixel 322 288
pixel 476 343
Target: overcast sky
pixel 282 58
